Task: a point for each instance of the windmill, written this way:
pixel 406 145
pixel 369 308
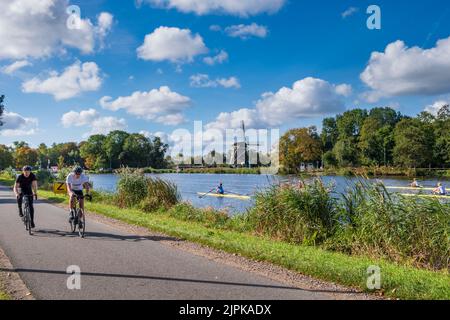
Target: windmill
pixel 241 153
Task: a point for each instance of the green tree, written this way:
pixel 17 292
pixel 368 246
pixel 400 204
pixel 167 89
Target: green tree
pixel 330 133
pixel 346 152
pixel 25 156
pixel 93 152
pixel 385 116
pixel 136 151
pixel 158 154
pixel 114 147
pixel 329 159
pixel 6 157
pixel 69 151
pixel 299 146
pixel 43 155
pixel 376 140
pixel 442 133
pixel 414 143
pixel 350 123
pixel 349 126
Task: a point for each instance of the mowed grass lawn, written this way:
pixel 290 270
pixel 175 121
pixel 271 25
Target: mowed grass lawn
pixel 397 281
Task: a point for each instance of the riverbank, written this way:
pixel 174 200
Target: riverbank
pixel 218 231
pixel 371 172
pixel 374 172
pixel 189 171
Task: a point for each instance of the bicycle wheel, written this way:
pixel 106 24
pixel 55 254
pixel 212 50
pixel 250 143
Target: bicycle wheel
pixel 81 217
pixel 27 217
pixel 29 224
pixel 73 226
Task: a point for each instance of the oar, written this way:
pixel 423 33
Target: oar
pixel 201 197
pixel 235 193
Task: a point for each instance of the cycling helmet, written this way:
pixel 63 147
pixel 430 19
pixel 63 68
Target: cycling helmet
pixel 78 170
pixel 26 168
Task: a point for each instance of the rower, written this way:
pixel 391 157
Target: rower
pixel 440 190
pixel 415 184
pixel 220 189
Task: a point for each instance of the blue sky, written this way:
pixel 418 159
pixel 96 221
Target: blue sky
pixel 305 42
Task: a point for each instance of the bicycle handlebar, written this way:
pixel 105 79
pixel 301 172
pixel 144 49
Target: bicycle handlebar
pixel 87 196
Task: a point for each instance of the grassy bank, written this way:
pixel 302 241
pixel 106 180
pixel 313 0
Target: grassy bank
pixel 388 172
pixel 243 236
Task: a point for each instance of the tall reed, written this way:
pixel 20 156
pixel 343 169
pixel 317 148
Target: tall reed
pixel 300 215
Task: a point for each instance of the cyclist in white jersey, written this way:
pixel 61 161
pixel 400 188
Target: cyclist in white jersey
pixel 75 182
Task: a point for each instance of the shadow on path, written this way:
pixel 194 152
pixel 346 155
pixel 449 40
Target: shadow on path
pixel 46 233
pixel 115 275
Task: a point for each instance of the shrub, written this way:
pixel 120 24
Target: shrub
pixel 131 188
pixel 45 178
pixel 134 189
pixel 63 173
pixel 160 194
pixel 10 173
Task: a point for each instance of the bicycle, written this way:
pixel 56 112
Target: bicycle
pixel 79 217
pixel 26 214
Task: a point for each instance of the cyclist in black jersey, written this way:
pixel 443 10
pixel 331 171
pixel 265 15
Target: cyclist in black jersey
pixel 26 186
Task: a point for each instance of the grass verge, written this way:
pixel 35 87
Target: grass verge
pixel 401 282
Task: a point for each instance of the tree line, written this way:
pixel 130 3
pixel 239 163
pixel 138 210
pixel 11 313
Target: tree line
pixel 359 137
pixel 376 137
pixel 111 151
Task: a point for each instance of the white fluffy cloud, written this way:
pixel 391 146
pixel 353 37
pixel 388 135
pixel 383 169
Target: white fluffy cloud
pixel 344 90
pixel 105 125
pixel 231 82
pixel 105 22
pixel 309 97
pixel 160 105
pixel 401 71
pixel 242 8
pixel 233 120
pixel 75 79
pixel 38 29
pixel 172 44
pixel 247 31
pixel 435 107
pixel 220 58
pixel 79 119
pixel 15 125
pixel 13 67
pixel 91 118
pixel 203 81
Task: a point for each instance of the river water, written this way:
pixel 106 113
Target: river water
pixel 190 185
